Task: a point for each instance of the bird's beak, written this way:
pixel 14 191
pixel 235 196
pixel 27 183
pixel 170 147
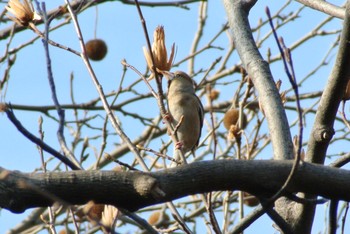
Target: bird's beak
pixel 168 75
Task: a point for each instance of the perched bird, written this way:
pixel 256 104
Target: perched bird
pixel 184 103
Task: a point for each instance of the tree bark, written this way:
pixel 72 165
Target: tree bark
pixel 134 190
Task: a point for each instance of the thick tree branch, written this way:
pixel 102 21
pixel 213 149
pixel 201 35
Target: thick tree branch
pixel 323 131
pixel 134 190
pixel 259 71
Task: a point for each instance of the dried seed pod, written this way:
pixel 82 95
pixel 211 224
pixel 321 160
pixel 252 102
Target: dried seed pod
pixel 159 219
pixel 3 107
pixel 234 132
pixel 96 49
pixel 93 211
pixel 23 13
pixel 159 52
pixel 214 94
pixel 250 200
pixel 231 118
pixel 66 231
pixel 109 214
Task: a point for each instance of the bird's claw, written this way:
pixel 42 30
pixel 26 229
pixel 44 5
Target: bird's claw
pixel 179 145
pixel 167 118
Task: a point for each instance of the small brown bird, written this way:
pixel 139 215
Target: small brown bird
pixel 183 101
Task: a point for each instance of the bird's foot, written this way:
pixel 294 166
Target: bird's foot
pixel 179 145
pixel 167 118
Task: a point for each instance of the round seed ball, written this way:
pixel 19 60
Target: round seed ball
pixel 231 118
pixel 96 49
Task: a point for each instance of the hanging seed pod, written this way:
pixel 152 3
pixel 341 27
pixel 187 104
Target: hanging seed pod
pixel 66 231
pixel 96 49
pixel 159 219
pixel 92 211
pixel 214 94
pixel 231 118
pixel 250 200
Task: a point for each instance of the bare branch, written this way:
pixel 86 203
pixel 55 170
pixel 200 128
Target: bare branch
pixel 323 131
pixel 259 71
pixel 325 7
pixel 134 190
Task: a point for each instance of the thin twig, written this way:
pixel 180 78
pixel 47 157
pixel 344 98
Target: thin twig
pixel 140 221
pixel 98 86
pixel 160 100
pixel 248 220
pixel 325 7
pixel 203 6
pixel 82 5
pixel 60 111
pixel 291 77
pixel 158 154
pixel 209 204
pixel 158 78
pixel 123 62
pixel 286 57
pixel 37 141
pixel 344 218
pixel 211 213
pixel 43 164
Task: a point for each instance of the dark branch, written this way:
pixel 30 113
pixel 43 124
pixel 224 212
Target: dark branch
pixel 134 190
pixel 38 141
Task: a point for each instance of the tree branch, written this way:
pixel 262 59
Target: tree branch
pixel 325 7
pixel 134 189
pixel 259 71
pixel 323 131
